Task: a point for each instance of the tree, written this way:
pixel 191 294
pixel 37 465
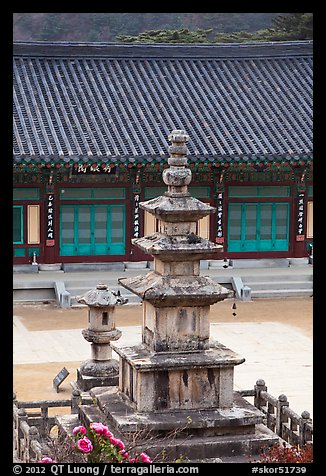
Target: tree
pixel 169 36
pixel 295 26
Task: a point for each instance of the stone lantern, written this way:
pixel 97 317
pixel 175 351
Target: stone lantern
pixel 101 369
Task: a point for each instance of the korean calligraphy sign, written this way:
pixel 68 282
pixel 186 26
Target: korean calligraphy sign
pixel 219 217
pixel 300 217
pixel 50 220
pixel 94 169
pixel 136 220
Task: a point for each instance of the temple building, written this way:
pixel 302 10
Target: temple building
pixel 90 127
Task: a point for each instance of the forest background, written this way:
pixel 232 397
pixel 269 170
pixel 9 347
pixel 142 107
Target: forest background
pixel 162 27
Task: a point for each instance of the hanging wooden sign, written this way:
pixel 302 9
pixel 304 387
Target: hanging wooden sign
pixel 136 219
pixel 94 169
pixel 300 217
pixel 219 217
pixel 49 241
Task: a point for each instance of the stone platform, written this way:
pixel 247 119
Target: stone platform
pixel 208 434
pixel 240 418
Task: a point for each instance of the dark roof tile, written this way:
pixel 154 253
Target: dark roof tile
pixel 256 102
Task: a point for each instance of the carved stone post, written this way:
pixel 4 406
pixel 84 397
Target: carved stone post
pixel 22 417
pixel 304 432
pixel 280 417
pixel 75 400
pixel 34 450
pixel 259 387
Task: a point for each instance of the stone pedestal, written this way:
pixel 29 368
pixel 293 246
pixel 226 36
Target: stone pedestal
pixel 89 376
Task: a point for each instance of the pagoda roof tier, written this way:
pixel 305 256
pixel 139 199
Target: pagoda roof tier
pixel 164 291
pixel 177 207
pixel 176 248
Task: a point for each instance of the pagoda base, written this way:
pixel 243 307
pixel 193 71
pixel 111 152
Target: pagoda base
pixel 222 449
pixel 172 381
pixel 240 419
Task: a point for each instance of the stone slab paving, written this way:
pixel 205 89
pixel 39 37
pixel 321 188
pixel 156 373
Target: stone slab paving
pixel 276 352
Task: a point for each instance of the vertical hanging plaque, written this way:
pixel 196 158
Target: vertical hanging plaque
pixel 219 216
pixel 300 217
pixel 50 220
pixel 136 217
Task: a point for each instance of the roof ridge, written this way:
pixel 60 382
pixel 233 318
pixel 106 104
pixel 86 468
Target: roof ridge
pixel 155 50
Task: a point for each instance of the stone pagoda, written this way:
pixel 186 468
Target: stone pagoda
pixel 177 377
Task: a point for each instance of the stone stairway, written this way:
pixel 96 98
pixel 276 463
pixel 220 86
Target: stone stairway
pixel 265 278
pixel 277 281
pixel 78 285
pixel 79 288
pixel 278 286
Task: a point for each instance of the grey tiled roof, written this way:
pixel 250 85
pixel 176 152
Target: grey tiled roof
pixel 120 102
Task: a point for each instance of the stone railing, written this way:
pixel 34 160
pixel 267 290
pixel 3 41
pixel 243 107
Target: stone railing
pixel 288 425
pixel 27 440
pixel 30 429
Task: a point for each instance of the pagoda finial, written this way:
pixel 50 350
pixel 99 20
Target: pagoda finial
pixel 177 177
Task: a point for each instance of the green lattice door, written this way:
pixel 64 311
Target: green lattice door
pixel 88 230
pixel 258 226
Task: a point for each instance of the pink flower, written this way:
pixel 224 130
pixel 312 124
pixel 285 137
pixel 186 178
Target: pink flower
pixel 124 454
pixel 101 429
pixel 145 458
pixel 79 429
pixel 85 445
pixel 117 443
pixel 46 459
